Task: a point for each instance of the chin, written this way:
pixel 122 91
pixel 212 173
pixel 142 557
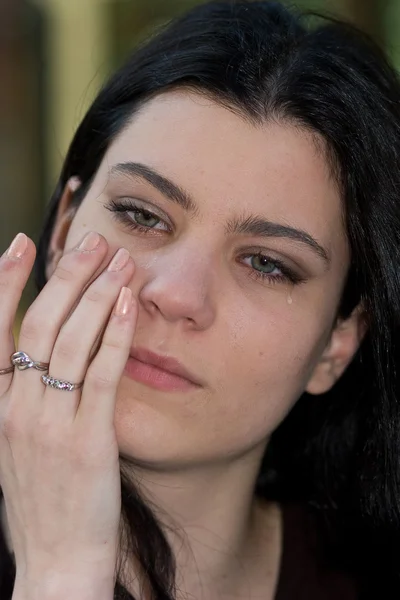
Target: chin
pixel 149 435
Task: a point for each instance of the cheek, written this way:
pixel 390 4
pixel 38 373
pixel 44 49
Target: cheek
pixel 90 216
pixel 268 361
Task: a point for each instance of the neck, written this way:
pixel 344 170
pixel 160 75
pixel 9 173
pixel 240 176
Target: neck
pixel 225 541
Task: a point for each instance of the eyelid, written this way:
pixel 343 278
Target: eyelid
pixel 130 202
pixel 280 257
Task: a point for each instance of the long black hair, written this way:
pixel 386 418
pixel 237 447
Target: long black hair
pixel 337 454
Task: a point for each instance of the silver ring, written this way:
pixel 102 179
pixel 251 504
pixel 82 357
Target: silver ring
pixel 22 361
pixel 60 384
pixel 6 371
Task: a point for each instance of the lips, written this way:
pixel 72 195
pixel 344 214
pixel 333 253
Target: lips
pixel 166 363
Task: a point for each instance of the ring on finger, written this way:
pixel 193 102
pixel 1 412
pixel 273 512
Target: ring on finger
pixel 60 384
pixel 6 371
pixel 23 361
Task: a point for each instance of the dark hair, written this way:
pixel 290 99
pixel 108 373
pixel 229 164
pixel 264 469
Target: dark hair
pixel 338 454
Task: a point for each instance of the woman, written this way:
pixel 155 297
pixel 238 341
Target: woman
pixel 240 176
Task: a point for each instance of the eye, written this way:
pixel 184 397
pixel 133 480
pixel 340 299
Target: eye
pixel 136 217
pixel 271 269
pixel 262 266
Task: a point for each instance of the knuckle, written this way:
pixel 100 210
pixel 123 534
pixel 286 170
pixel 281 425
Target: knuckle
pixel 112 346
pixel 33 325
pixel 93 295
pixel 99 381
pixel 66 347
pixel 62 272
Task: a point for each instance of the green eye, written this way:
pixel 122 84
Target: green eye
pixel 136 217
pixel 271 269
pixel 145 218
pixel 264 263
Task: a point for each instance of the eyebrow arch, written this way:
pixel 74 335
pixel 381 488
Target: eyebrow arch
pixel 252 225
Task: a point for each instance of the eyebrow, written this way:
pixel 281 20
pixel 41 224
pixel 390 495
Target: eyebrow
pixel 252 225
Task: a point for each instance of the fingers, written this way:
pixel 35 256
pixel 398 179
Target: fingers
pixel 15 267
pixel 45 317
pixel 72 349
pixel 97 406
pixel 71 317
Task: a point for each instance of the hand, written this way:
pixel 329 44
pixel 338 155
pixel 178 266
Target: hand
pixel 59 458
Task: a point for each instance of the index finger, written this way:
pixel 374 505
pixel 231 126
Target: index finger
pixel 15 267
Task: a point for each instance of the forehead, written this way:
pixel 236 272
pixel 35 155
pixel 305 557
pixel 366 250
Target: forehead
pixel 229 164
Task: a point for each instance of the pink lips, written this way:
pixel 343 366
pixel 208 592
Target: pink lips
pixel 160 372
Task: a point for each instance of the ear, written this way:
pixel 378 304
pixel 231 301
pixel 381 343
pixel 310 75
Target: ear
pixel 344 342
pixel 62 223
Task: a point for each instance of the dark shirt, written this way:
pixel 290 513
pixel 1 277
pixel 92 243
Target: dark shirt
pixel 303 572
pixel 7 568
pixel 302 576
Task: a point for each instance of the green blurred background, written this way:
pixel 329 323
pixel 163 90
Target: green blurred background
pixel 54 55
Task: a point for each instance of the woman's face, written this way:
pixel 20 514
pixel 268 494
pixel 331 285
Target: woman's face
pixel 255 343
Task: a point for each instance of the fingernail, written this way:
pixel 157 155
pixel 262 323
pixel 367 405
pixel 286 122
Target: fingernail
pixel 18 246
pixel 90 241
pixel 124 302
pixel 119 260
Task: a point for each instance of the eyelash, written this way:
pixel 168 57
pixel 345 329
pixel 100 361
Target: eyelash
pixel 119 210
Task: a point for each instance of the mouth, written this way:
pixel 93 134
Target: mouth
pixel 160 372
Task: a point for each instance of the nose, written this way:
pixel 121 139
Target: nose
pixel 178 286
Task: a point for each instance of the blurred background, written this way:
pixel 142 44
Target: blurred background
pixel 54 55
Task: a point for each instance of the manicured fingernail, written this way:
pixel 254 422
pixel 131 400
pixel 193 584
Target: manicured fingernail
pixel 90 241
pixel 124 302
pixel 119 260
pixel 18 246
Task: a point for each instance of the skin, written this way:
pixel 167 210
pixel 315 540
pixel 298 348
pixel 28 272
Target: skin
pixel 256 345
